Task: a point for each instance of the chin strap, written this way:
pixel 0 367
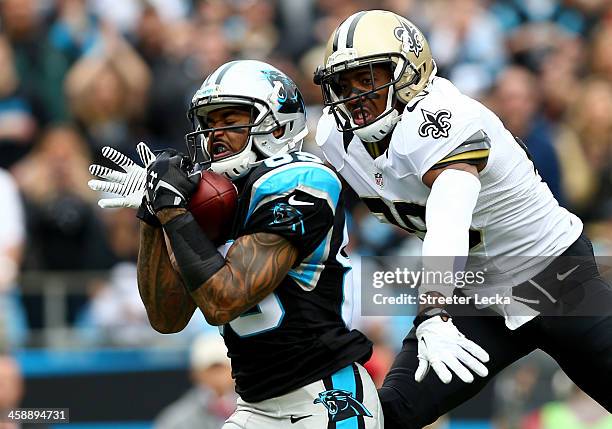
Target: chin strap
pixel 251 161
pixel 296 142
pixel 293 145
pixel 379 129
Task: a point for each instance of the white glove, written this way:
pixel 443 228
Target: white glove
pixel 443 347
pixel 129 185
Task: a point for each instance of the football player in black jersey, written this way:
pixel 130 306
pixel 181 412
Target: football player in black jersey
pixel 280 293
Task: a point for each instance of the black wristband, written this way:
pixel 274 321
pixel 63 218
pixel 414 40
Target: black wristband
pixel 196 256
pixel 145 215
pixel 430 312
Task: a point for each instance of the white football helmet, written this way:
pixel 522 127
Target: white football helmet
pixel 275 103
pixel 363 40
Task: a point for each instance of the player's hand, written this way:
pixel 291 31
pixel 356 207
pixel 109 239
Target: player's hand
pixel 445 349
pixel 129 184
pixel 170 181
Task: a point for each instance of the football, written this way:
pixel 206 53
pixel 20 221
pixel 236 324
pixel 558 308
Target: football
pixel 213 205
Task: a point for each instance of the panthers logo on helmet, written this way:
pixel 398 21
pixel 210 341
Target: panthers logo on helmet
pixel 341 405
pixel 436 125
pixel 413 41
pixel 288 98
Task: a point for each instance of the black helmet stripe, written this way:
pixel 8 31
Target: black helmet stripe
pixel 351 30
pixel 342 30
pixel 223 71
pixel 336 34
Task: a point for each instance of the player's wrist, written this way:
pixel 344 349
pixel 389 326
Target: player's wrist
pixel 145 214
pixel 431 312
pixel 165 215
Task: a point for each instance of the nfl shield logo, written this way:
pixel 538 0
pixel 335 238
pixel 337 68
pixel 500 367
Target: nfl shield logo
pixel 378 177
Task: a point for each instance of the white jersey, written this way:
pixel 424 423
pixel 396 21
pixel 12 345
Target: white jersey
pixel 515 214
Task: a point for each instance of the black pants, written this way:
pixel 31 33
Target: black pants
pixel 581 345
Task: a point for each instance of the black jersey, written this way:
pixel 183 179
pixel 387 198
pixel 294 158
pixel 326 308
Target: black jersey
pixel 296 335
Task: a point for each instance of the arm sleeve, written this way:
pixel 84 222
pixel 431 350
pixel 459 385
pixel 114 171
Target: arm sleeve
pixel 448 218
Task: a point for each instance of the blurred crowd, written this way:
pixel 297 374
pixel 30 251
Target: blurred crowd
pixel 77 75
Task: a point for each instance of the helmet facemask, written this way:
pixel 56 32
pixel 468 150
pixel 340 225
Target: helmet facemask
pixel 235 164
pixel 337 98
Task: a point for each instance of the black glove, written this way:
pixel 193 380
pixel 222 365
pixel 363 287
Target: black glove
pixel 168 182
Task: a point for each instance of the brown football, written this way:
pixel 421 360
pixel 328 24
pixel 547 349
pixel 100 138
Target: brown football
pixel 213 205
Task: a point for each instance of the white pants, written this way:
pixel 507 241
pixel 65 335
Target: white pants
pixel 346 400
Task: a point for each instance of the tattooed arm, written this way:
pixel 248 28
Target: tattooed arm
pixel 254 266
pixel 169 306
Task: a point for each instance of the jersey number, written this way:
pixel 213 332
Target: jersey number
pixel 411 217
pixel 265 316
pixel 286 158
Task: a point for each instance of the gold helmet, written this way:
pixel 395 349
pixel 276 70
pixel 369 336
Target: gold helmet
pixel 365 39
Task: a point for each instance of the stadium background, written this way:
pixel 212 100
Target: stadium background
pixel 76 75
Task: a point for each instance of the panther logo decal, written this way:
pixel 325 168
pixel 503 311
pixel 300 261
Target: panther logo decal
pixel 341 405
pixel 286 215
pixel 436 125
pixel 289 98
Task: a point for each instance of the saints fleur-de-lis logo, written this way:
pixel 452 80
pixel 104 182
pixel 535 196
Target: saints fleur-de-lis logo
pixel 410 37
pixel 436 125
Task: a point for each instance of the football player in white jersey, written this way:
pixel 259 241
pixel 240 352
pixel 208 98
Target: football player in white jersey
pixel 425 157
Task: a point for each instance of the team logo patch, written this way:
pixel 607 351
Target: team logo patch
pixel 286 215
pixel 436 125
pixel 378 178
pixel 410 37
pixel 341 405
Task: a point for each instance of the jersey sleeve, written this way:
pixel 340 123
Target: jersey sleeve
pixel 474 150
pixel 441 128
pixel 298 203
